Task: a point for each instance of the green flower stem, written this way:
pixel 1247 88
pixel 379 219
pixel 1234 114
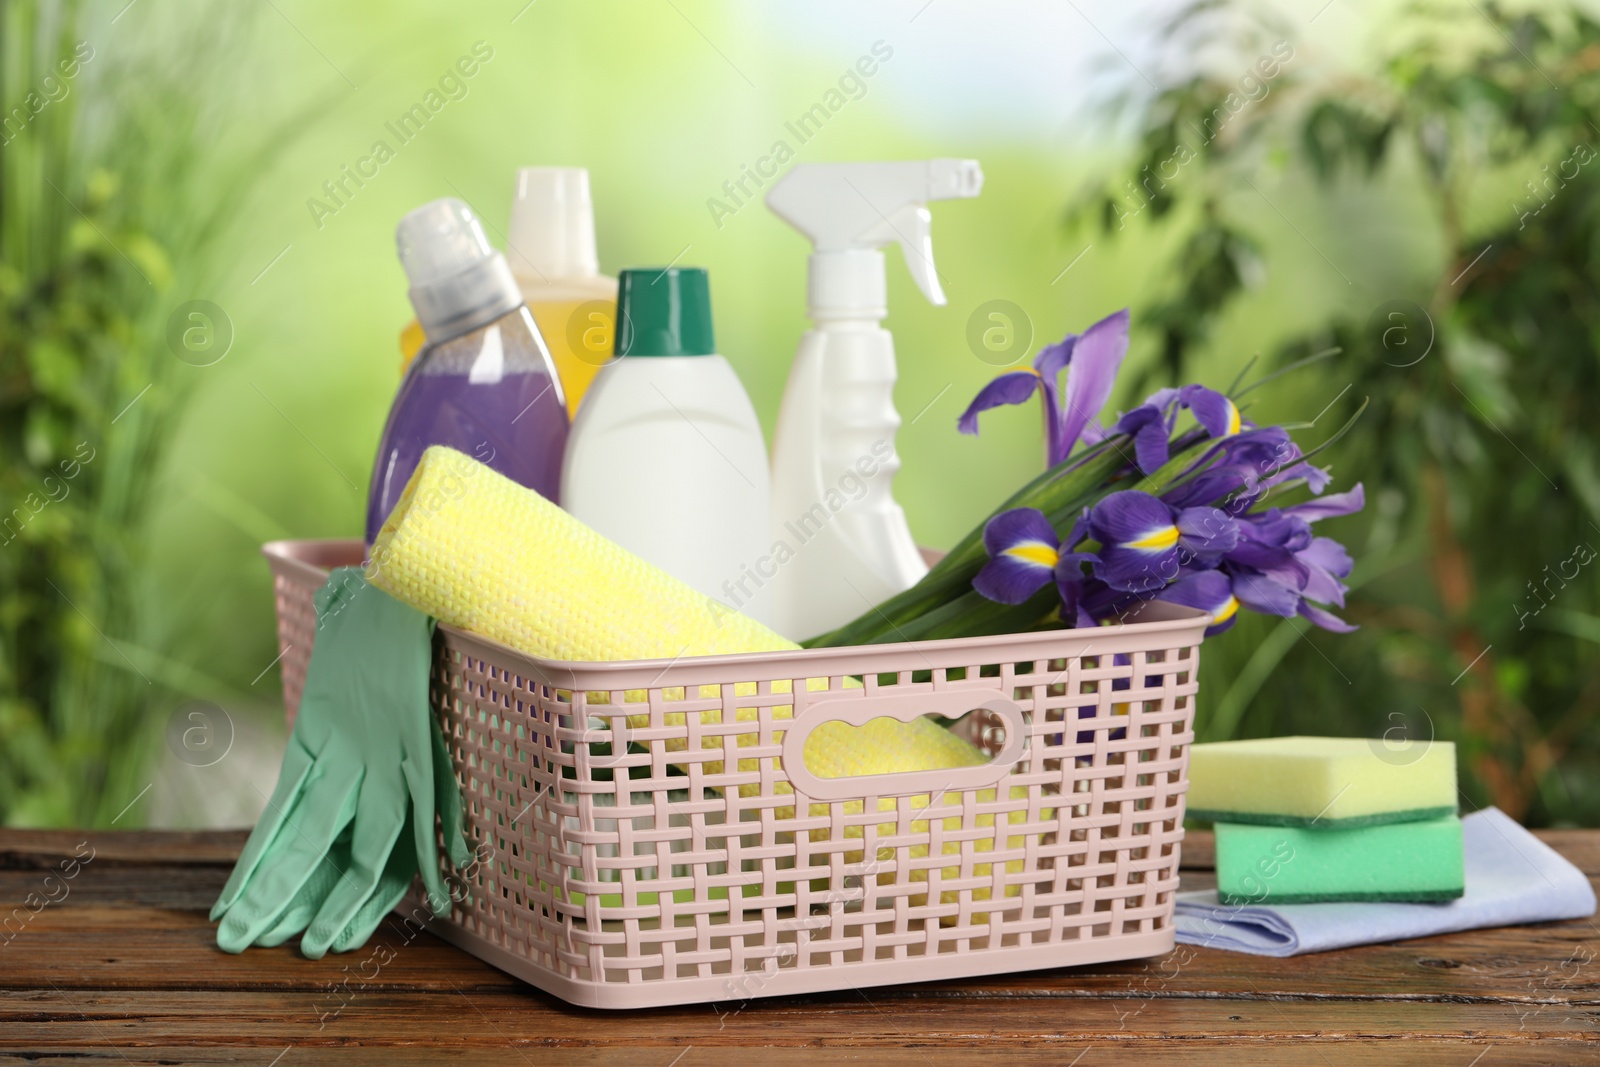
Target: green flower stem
pixel 1063 490
pixel 943 603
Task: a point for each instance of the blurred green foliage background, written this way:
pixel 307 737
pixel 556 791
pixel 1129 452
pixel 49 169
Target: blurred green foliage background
pixel 1359 180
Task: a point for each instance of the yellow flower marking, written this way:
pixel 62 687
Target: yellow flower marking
pixel 1227 611
pixel 1035 552
pixel 1157 541
pixel 1235 420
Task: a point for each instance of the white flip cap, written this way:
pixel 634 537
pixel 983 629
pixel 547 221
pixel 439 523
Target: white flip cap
pixel 552 224
pixel 458 281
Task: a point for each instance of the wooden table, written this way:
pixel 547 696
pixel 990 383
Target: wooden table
pixel 123 969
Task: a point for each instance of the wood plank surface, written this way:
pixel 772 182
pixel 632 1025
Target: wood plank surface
pixel 123 968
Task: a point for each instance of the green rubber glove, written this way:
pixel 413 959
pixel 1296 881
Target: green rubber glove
pixel 392 887
pixel 351 821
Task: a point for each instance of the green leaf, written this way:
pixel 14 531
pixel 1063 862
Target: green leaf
pixel 1223 722
pixel 1575 623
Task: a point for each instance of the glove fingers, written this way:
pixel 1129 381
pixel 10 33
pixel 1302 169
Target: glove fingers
pixel 303 908
pixel 425 845
pixel 306 743
pixel 447 798
pixel 348 901
pixel 397 877
pixel 297 762
pixel 431 777
pixel 307 837
pixel 376 830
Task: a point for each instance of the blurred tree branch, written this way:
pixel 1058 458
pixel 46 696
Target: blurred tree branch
pixel 1487 441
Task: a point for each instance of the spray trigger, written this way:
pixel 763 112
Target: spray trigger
pixel 849 210
pixel 911 227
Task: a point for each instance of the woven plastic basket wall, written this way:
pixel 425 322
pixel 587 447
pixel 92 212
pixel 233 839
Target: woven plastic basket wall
pixel 625 866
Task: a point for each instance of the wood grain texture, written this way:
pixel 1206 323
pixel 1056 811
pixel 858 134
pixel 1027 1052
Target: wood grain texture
pixel 123 968
pixel 1133 1053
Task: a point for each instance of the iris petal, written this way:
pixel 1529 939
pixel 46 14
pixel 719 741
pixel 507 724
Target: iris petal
pixel 1008 580
pixel 1330 555
pixel 1013 388
pixel 1070 578
pixel 1150 446
pixel 1023 554
pixel 1133 570
pixel 1209 591
pixel 1049 363
pixel 1276 528
pixel 1260 593
pixel 1096 357
pixel 1326 619
pixel 1125 517
pixel 1327 561
pixel 1316 478
pixel 1164 401
pixel 1215 484
pixel 1215 412
pixel 1238 463
pixel 1207 533
pixel 1331 506
pixel 1018 526
pixel 1053 359
pixel 1277 564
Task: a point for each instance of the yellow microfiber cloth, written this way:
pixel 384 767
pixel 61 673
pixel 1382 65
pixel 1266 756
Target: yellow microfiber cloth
pixel 477 551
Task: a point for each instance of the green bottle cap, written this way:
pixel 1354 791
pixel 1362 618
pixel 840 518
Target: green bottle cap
pixel 664 312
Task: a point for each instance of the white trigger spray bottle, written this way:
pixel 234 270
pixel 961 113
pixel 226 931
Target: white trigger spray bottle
pixel 833 458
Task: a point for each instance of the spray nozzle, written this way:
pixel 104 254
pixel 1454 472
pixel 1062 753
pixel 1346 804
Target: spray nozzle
pixel 849 208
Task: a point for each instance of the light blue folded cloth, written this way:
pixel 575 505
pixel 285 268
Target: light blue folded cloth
pixel 1512 878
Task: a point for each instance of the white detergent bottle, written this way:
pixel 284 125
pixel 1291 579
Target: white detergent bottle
pixel 833 457
pixel 666 456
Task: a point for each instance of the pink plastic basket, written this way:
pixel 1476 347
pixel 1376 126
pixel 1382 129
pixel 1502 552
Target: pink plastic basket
pixel 617 870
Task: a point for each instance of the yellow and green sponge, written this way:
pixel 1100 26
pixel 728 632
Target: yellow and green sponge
pixel 1316 819
pixel 1330 783
pixel 1401 861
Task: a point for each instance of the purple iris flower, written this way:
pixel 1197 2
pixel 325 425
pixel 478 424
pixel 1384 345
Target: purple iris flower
pixel 1262 594
pixel 1205 542
pixel 1237 467
pixel 1151 423
pixel 1269 562
pixel 1091 360
pixel 1145 541
pixel 1278 567
pixel 1025 555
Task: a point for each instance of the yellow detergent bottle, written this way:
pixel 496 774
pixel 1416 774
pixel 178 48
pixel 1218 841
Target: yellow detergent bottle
pixel 552 255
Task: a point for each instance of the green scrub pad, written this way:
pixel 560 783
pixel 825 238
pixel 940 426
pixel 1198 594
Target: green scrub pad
pixel 1411 861
pixel 1326 782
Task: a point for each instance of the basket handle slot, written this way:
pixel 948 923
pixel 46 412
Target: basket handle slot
pixel 905 707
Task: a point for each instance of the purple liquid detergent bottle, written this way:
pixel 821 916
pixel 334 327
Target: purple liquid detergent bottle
pixel 484 383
